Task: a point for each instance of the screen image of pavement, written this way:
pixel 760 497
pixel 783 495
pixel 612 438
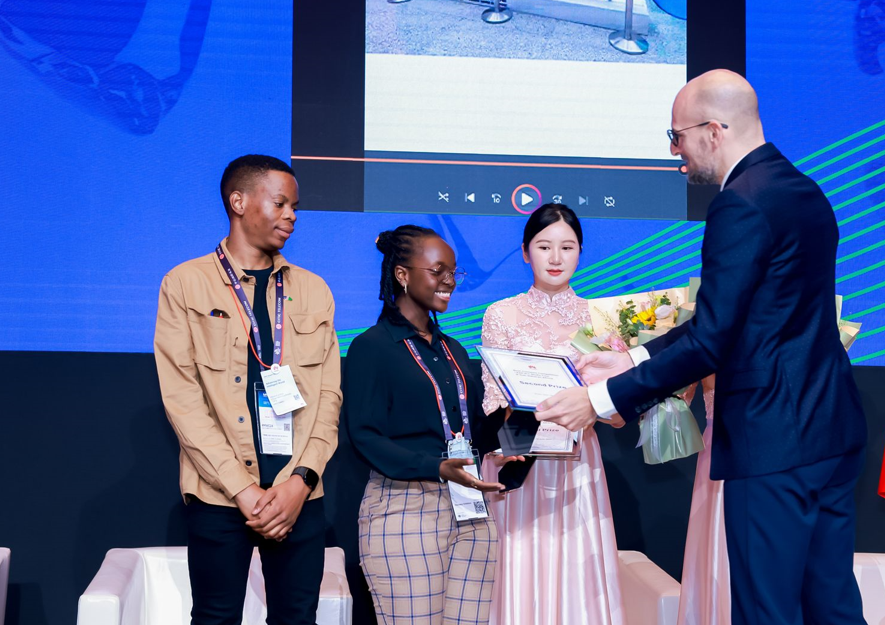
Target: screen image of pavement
pixel 468 117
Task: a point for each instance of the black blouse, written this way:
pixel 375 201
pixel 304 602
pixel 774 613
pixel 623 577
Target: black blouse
pixel 390 408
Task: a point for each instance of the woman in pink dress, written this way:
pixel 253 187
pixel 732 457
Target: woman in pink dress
pixel 557 554
pixel 705 598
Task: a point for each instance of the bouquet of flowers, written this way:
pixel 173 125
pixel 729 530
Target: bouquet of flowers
pixel 669 430
pixel 636 315
pixel 657 311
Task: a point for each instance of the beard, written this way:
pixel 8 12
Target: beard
pixel 702 175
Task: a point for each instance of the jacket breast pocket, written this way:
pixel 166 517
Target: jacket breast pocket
pixel 210 337
pixel 310 337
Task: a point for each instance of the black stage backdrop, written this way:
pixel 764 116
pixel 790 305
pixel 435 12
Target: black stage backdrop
pixel 91 464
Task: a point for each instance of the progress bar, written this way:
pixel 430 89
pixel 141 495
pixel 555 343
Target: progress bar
pixel 416 161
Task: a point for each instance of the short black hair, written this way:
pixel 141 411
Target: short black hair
pixel 549 214
pixel 241 172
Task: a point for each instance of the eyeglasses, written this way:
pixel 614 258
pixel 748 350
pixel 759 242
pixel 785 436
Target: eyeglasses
pixel 457 274
pixel 674 134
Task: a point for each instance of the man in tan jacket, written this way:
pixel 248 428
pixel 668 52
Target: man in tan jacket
pixel 249 371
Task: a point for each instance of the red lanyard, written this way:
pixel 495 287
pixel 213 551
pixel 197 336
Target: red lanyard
pixel 459 381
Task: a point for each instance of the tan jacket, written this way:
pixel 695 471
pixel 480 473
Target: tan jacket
pixel 202 364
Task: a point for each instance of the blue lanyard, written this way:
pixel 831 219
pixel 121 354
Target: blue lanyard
pixel 459 381
pixel 244 302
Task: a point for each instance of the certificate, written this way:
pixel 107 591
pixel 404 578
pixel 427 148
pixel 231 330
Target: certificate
pixel 526 378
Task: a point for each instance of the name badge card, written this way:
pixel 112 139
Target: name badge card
pixel 281 389
pixel 468 503
pixel 274 429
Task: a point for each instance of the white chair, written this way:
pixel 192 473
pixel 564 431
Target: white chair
pixel 651 597
pixel 869 569
pixel 150 586
pixel 4 581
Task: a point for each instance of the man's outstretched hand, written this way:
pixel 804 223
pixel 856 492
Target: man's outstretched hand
pixel 569 408
pixel 598 366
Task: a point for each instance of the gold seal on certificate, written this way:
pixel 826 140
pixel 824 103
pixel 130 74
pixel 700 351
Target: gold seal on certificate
pixel 527 378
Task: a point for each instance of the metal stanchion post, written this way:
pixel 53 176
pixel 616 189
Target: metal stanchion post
pixel 626 40
pixel 496 15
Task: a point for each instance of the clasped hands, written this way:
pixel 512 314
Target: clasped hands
pixel 273 512
pixel 571 408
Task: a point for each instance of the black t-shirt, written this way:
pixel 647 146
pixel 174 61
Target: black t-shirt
pixel 268 466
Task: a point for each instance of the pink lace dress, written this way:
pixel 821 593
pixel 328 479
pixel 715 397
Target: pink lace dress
pixel 706 594
pixel 557 554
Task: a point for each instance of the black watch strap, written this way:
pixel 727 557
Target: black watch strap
pixel 310 477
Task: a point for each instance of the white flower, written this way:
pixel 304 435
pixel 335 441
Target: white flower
pixel 664 312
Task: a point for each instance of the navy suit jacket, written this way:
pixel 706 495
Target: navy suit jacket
pixel 765 324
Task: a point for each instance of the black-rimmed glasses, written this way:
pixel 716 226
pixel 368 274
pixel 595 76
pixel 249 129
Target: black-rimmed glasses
pixel 674 134
pixel 457 274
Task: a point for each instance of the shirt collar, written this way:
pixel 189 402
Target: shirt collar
pixel 400 332
pixel 728 173
pixel 539 298
pixel 279 262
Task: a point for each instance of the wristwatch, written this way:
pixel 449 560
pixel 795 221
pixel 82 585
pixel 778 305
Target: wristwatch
pixel 310 477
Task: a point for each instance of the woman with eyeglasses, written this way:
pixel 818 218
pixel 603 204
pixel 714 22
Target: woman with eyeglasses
pixel 558 558
pixel 413 410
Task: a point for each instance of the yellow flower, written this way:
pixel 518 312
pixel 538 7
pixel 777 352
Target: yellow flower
pixel 647 316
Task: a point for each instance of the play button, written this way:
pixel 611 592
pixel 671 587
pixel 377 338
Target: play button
pixel 526 198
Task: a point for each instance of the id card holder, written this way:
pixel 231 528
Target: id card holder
pixel 282 392
pixel 468 503
pixel 459 447
pixel 274 430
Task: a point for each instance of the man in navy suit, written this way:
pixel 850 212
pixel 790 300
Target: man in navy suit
pixel 790 430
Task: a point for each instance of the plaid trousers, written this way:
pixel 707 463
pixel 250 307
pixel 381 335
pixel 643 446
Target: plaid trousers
pixel 420 564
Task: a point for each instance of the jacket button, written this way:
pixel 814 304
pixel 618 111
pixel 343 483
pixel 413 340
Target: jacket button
pixel 241 419
pixel 448 380
pixel 237 379
pixel 248 463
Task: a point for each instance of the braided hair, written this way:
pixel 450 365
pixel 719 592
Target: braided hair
pixel 399 247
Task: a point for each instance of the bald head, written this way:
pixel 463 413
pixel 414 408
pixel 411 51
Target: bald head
pixel 723 107
pixel 725 96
